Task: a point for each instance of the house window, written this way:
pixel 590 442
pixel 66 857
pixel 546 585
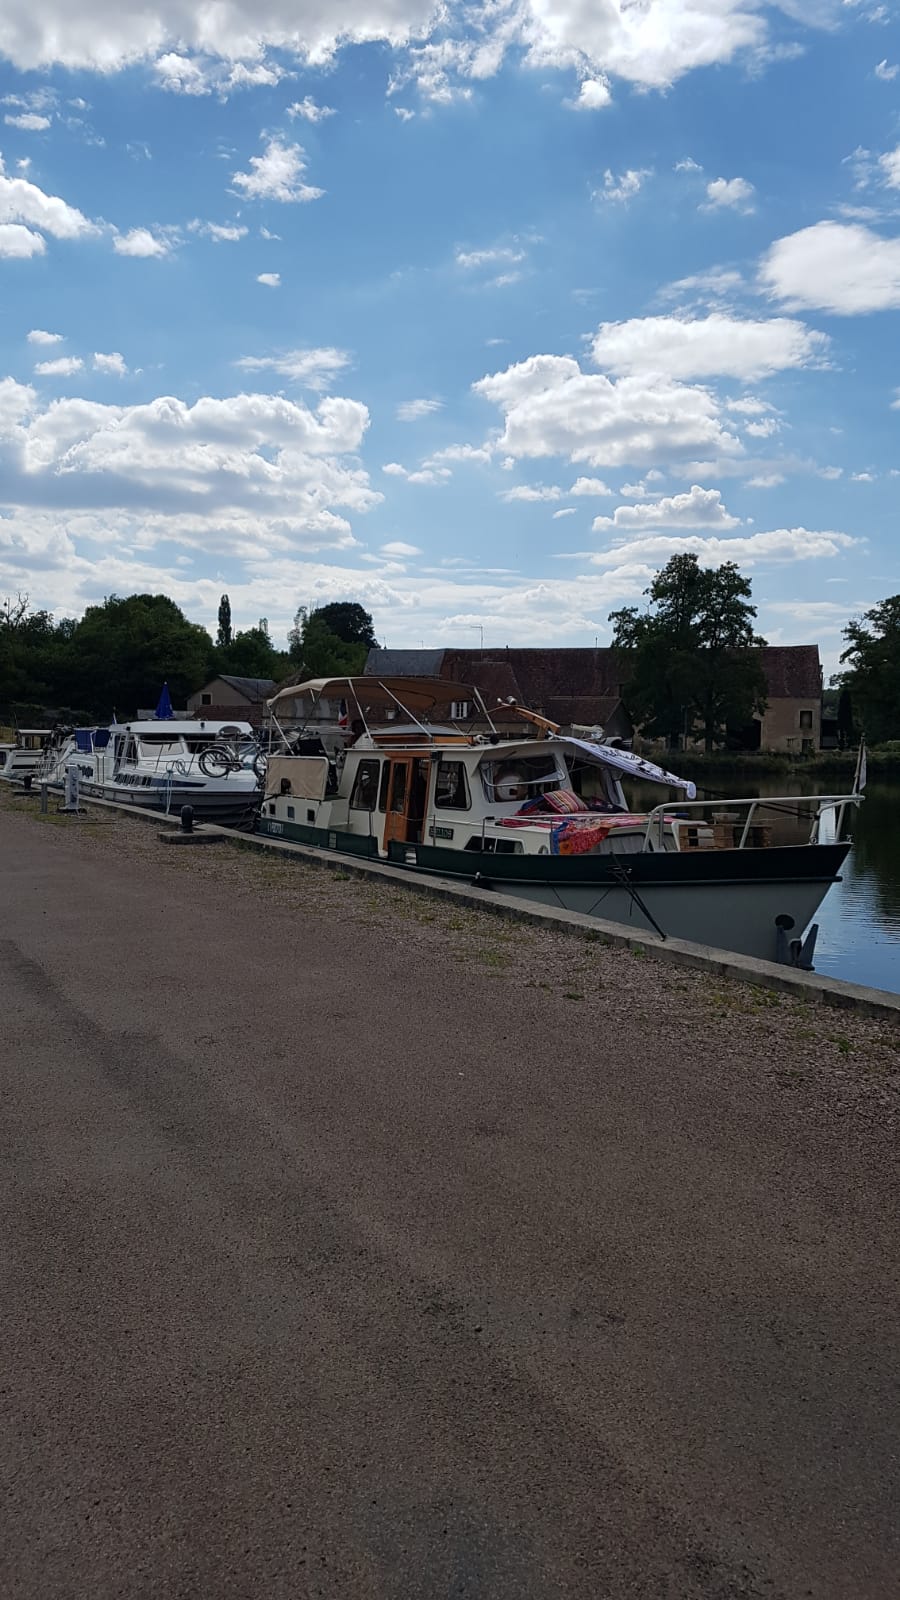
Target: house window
pixel 206 699
pixel 807 747
pixel 460 711
pixel 806 719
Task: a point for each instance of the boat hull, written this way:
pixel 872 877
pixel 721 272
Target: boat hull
pixel 728 899
pixel 230 807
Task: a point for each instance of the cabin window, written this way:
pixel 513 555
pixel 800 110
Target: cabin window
pixel 460 710
pixel 290 812
pixel 206 699
pixel 806 719
pixel 451 790
pixel 365 788
pixel 520 778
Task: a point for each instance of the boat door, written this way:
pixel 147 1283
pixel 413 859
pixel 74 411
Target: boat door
pixel 407 794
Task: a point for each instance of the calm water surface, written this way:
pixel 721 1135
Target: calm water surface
pixel 859 921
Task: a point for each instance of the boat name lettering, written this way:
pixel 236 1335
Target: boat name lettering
pixel 275 827
pixel 440 833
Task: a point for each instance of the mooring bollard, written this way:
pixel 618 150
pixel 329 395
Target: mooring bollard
pixel 27 782
pixel 44 799
pixel 187 819
pixel 70 802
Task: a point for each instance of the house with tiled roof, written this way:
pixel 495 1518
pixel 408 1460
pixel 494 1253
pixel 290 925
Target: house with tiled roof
pixel 580 687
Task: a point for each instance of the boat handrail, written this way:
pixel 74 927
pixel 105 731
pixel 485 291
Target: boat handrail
pixel 752 803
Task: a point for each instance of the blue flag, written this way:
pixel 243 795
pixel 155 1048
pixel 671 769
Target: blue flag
pixel 164 712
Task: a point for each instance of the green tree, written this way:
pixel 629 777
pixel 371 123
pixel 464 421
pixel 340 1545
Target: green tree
pixel 689 659
pixel 121 652
pixel 872 677
pixel 252 654
pixel 319 651
pixel 224 634
pixel 350 621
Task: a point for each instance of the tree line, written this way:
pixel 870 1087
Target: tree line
pixel 689 661
pixel 116 658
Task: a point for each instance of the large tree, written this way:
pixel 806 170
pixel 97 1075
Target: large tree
pixel 121 652
pixel 251 654
pixel 350 621
pixel 224 633
pixel 873 672
pixel 319 651
pixel 688 660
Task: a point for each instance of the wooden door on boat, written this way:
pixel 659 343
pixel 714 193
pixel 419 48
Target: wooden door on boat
pixel 406 799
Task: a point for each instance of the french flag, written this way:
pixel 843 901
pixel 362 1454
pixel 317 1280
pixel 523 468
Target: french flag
pixel 343 719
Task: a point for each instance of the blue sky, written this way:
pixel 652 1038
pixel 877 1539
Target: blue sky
pixel 474 313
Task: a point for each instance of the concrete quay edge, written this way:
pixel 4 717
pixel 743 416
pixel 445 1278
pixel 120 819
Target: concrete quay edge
pixel 812 987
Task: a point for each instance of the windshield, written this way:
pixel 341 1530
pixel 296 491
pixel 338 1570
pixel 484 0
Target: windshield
pixel 521 777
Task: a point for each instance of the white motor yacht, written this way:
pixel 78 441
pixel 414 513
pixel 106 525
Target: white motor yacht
pixel 25 756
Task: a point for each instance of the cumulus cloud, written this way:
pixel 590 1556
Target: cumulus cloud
pixel 62 367
pixel 531 491
pixel 590 486
pixel 28 121
pixel 219 232
pixel 781 545
pixel 594 94
pixel 41 336
pixel 845 268
pixel 551 407
pixel 314 368
pixel 413 410
pixel 309 110
pixel 270 280
pixel 24 202
pixel 624 187
pixel 397 547
pixel 890 167
pixel 887 71
pixel 18 243
pixel 277 175
pixel 498 256
pixel 112 364
pixel 719 344
pixel 735 194
pixel 140 242
pixel 250 472
pixel 698 508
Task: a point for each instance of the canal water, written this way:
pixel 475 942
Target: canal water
pixel 859 921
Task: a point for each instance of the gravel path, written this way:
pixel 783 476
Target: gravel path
pixel 356 1246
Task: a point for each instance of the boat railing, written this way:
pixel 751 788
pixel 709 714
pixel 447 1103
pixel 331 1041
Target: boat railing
pixel 785 804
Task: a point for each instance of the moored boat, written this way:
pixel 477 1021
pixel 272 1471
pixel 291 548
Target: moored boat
pixel 214 767
pixel 25 755
pixel 379 767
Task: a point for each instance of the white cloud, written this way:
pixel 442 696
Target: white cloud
pixel 471 260
pixel 433 475
pixel 277 175
pixel 112 364
pixel 862 477
pixel 314 368
pixel 309 110
pixel 687 164
pixel 41 336
pixel 719 344
pixel 404 113
pixel 18 243
pixel 781 545
pixel 735 193
pixel 394 470
pixel 624 187
pixel 590 486
pixel 698 508
pixel 141 242
pixel 551 407
pixel 831 474
pixel 567 511
pixel 833 266
pixel 21 201
pixel 459 453
pixel 251 474
pixel 594 94
pixel 886 72
pixel 531 491
pixel 705 288
pixel 271 280
pixel 28 121
pixel 62 367
pixel 413 410
pixel 890 167
pixel 766 480
pixel 181 75
pixel 219 232
pixel 397 547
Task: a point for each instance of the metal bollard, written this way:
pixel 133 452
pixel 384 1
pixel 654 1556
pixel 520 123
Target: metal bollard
pixel 44 798
pixel 27 782
pixel 70 802
pixel 187 819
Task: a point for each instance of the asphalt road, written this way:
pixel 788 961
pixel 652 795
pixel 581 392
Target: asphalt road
pixel 329 1268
